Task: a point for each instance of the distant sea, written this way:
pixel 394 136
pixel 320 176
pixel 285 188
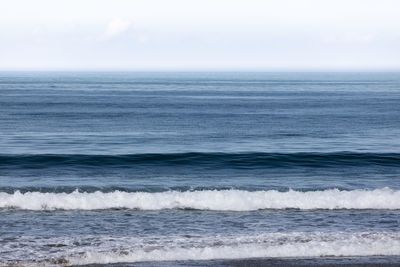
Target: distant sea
pixel 199 169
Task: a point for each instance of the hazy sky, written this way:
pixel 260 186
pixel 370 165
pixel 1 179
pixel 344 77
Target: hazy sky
pixel 200 34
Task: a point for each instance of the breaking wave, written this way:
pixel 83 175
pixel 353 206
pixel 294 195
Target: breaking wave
pixel 217 200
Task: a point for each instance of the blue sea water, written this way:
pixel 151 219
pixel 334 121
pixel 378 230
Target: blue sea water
pixel 99 168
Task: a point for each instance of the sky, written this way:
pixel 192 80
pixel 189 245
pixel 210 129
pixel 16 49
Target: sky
pixel 190 35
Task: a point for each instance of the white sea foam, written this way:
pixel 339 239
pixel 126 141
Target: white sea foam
pixel 298 245
pixel 114 249
pixel 219 200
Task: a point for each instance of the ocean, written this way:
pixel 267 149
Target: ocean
pixel 199 169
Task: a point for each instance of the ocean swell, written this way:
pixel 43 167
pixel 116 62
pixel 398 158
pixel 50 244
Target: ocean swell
pixel 200 159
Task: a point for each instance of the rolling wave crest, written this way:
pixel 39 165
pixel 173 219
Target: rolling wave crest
pixel 199 159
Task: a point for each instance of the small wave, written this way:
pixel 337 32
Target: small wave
pixel 81 250
pixel 350 247
pixel 217 200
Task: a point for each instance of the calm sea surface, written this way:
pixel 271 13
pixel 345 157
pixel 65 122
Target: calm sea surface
pixel 99 168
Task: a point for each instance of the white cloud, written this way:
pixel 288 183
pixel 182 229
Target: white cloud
pixel 116 27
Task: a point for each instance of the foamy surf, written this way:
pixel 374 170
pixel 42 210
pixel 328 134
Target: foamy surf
pixel 114 249
pixel 315 248
pixel 216 200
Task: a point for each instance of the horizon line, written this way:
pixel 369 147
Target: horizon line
pixel 219 70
